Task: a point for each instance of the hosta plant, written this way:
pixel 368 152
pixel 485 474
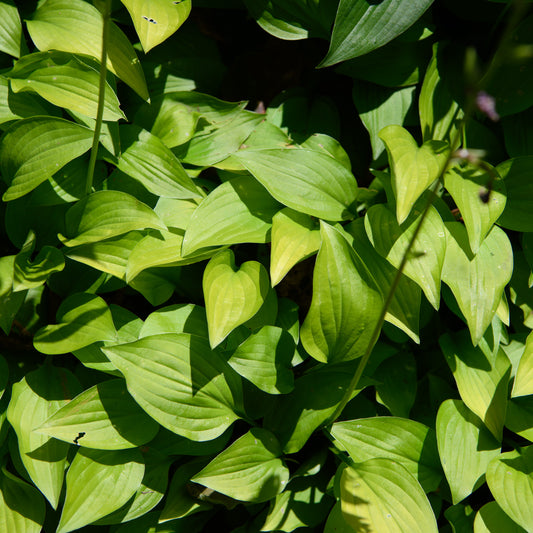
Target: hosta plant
pixel 241 293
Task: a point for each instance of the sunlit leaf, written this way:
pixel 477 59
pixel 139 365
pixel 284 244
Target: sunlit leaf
pixel 250 469
pixel 11 41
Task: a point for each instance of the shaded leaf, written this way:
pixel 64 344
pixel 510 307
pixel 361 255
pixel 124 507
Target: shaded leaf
pixel 491 519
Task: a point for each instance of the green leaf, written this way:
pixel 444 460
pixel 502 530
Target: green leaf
pixel 29 274
pixel 361 27
pixel 10 301
pixel 519 416
pixel 156 20
pixel 33 149
pixel 346 302
pixel 153 164
pixel 477 282
pixel 382 496
pixel 308 181
pixel 523 381
pixel 295 237
pixel 491 519
pixel 35 398
pixel 83 319
pixel 249 470
pixel 409 443
pixel 516 174
pixel 4 376
pixel 232 295
pixel 465 446
pixel 65 81
pixel 413 168
pixel 264 358
pixel 98 483
pixel 11 41
pixel 180 383
pixel 379 107
pixel 440 114
pixel 336 522
pixel 466 184
pixel 239 210
pixel 509 480
pixel 22 507
pixel 106 416
pixel 482 379
pixel 404 308
pixel 105 214
pixel 76 26
pixel 179 318
pixel 427 255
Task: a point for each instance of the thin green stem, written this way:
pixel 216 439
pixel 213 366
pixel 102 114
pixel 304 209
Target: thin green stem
pixel 106 15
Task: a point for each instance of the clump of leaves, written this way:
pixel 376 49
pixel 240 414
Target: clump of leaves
pixel 218 318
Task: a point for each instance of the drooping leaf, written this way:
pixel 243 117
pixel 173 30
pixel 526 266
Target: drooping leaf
pixel 383 497
pixel 76 26
pixel 65 81
pixel 22 507
pixel 345 305
pixel 361 27
pixel 467 185
pixel 105 415
pixel 98 483
pixel 465 447
pixel 35 148
pixel 35 398
pixel 250 469
pixel 404 441
pixel 180 383
pixel 305 180
pixel 477 282
pixel 83 318
pixel 427 255
pixel 491 519
pixel 265 358
pixel 11 41
pixel 232 295
pixel 238 210
pixel 413 168
pixel 295 237
pixel 105 214
pixel 482 380
pixel 153 164
pixel 509 480
pixel 156 20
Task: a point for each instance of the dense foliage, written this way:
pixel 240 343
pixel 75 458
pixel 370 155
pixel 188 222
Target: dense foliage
pixel 241 293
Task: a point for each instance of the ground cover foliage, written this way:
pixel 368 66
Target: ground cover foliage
pixel 242 293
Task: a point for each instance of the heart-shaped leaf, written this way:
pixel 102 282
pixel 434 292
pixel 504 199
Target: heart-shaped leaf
pixel 76 26
pixel 426 258
pixel 180 383
pixel 362 26
pixel 384 497
pixel 308 181
pixel 34 399
pixel 295 236
pixel 509 480
pixel 477 282
pixel 249 470
pixel 238 210
pixel 98 483
pixel 404 441
pixel 413 168
pixel 465 447
pixel 83 319
pixel 232 296
pixel 105 214
pixel 264 358
pixel 345 305
pixel 466 184
pixel 105 416
pixel 482 380
pixel 156 20
pixel 35 148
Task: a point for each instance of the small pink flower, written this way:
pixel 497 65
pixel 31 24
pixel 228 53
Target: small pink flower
pixel 487 104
